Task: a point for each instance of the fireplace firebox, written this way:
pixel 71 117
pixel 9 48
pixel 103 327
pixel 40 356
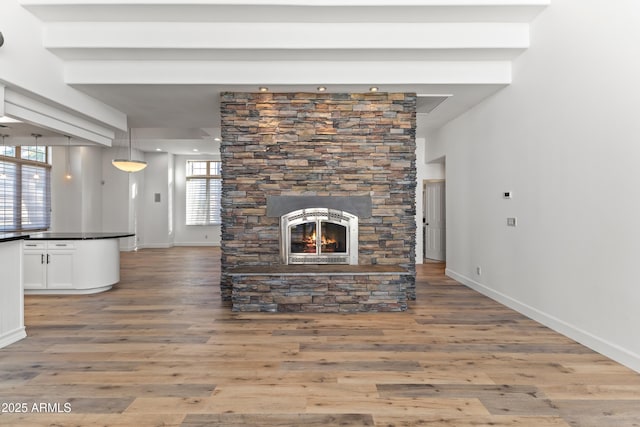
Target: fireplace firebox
pixel 319 236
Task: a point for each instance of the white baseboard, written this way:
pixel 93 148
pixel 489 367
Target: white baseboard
pixel 12 336
pixel 600 345
pixel 155 246
pixel 196 244
pixel 166 246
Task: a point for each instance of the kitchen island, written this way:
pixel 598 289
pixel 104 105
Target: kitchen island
pixel 71 263
pixel 11 292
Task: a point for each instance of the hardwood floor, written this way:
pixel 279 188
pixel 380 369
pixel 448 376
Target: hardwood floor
pixel 161 349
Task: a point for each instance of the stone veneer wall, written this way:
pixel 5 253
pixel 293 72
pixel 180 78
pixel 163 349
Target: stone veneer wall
pixel 309 144
pixel 326 293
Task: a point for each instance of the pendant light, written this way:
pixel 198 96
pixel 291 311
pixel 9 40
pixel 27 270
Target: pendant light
pixel 36 136
pixel 129 165
pixel 67 173
pixel 3 174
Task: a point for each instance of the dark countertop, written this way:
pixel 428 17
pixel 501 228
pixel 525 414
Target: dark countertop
pixel 10 237
pixel 78 236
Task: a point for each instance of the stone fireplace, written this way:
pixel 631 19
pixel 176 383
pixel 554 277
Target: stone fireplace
pixel 318 201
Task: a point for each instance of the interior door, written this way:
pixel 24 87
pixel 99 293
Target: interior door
pixel 434 225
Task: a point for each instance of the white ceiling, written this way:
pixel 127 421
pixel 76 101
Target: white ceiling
pixel 164 63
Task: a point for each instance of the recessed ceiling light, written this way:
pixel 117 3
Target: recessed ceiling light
pixel 158 149
pixel 263 89
pixel 217 139
pixel 321 89
pixel 373 89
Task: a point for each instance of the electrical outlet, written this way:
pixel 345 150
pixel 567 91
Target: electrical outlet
pixel 512 222
pixel 478 271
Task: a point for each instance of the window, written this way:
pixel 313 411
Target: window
pixel 25 189
pixel 36 154
pixel 7 151
pixel 204 189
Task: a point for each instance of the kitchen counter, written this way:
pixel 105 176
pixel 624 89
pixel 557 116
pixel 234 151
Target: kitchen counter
pixel 11 237
pixel 71 263
pixel 48 235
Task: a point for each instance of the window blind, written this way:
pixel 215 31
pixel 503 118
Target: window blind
pixel 204 192
pixel 25 195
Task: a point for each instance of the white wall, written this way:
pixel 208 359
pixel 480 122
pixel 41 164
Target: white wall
pixel 116 199
pixel 190 235
pixel 91 175
pixel 136 213
pixel 171 187
pixel 66 195
pixel 564 138
pixel 436 150
pixel 76 203
pixel 157 230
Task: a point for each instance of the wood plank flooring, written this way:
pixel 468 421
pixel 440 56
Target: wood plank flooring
pixel 161 349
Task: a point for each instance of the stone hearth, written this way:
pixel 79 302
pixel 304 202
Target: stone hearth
pixel 334 289
pixel 311 147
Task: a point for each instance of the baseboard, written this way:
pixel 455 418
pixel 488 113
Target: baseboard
pixel 166 245
pixel 155 246
pixel 600 345
pixel 196 244
pixel 13 336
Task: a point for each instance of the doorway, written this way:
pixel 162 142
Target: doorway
pixel 434 220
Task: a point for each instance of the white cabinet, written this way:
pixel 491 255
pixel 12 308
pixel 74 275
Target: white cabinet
pixel 82 266
pixel 48 265
pixel 11 300
pixel 34 267
pixel 60 265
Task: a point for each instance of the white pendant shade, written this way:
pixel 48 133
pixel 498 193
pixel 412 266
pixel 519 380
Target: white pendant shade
pixel 129 165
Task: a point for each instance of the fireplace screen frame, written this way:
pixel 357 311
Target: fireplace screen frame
pixel 318 216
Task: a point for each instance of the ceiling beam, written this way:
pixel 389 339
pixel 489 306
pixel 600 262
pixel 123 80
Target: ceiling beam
pixel 242 35
pixel 287 10
pixel 29 110
pixel 287 72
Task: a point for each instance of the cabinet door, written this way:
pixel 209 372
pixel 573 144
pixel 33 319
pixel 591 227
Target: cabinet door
pixel 34 270
pixel 60 269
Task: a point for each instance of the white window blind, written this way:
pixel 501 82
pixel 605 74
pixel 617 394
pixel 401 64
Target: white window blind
pixel 204 190
pixel 25 189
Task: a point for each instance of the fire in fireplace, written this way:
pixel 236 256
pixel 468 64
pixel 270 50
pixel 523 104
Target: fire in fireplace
pixel 306 240
pixel 319 236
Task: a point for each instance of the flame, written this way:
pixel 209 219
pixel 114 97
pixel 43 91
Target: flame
pixel 311 241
